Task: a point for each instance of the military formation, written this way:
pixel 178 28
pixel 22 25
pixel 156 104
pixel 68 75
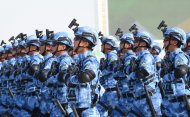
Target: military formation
pixel 57 75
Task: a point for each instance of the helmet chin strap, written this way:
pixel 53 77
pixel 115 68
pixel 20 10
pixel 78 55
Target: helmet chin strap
pixel 122 49
pixel 106 48
pixel 78 46
pixel 45 50
pixel 138 46
pixel 57 50
pixel 31 51
pixel 167 47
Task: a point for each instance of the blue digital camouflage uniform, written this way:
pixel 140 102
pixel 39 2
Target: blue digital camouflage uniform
pixel 31 86
pixel 174 82
pixel 19 95
pixel 83 91
pixel 140 106
pixel 126 101
pixel 174 88
pixel 7 79
pixel 46 103
pixel 187 41
pixel 61 90
pixel 4 92
pixel 110 97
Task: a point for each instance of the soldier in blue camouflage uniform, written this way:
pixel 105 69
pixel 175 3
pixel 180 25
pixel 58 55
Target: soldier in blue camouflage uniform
pixel 62 43
pixel 155 51
pixel 45 72
pixel 11 78
pixel 142 79
pixel 109 99
pixel 125 103
pixel 32 88
pixel 3 107
pixel 175 102
pixel 7 80
pixel 84 79
pixel 187 49
pixel 19 75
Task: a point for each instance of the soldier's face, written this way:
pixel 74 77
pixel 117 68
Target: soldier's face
pixel 153 52
pixel 13 52
pixel 4 55
pixel 24 50
pixel 120 54
pixel 139 45
pixel 79 45
pixel 42 48
pixel 54 48
pixel 125 46
pixel 48 47
pixel 9 55
pixel 188 44
pixel 18 51
pixel 33 48
pixel 71 52
pixel 166 42
pixel 106 47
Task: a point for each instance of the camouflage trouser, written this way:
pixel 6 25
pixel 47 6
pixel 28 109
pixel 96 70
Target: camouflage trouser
pixel 31 103
pixel 2 110
pixel 3 104
pixel 46 106
pixel 141 107
pixel 20 113
pixel 56 112
pixel 90 112
pixel 110 100
pixel 18 110
pixel 174 109
pixel 124 107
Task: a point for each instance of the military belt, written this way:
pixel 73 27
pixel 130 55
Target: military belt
pixel 178 99
pixel 149 81
pixel 151 92
pixel 50 85
pixel 126 95
pixel 103 105
pixel 72 99
pixel 32 94
pixel 60 86
pixel 83 85
pixel 111 89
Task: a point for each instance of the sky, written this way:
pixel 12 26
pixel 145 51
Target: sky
pixel 27 15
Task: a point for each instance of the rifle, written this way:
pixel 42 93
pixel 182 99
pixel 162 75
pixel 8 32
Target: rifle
pixel 10 92
pixel 118 91
pixel 75 24
pixel 149 101
pixel 161 89
pixel 187 105
pixel 61 107
pixel 74 111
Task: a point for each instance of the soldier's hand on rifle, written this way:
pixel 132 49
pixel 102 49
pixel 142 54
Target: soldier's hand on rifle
pixel 73 69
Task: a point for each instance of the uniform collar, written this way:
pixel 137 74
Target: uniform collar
pixel 84 55
pixel 174 53
pixel 129 52
pixel 34 54
pixel 155 56
pixel 141 53
pixel 62 56
pixel 48 56
pixel 110 53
